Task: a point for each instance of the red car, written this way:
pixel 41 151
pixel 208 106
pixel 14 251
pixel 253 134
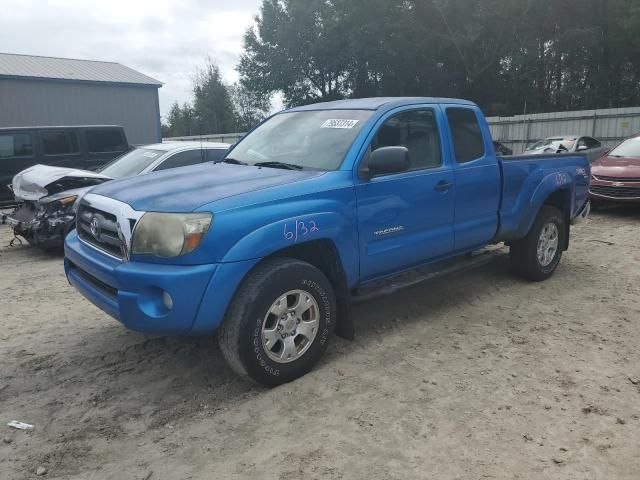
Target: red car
pixel 616 176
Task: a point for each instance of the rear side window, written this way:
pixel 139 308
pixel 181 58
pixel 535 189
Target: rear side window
pixel 182 159
pixel 16 145
pixel 592 142
pixel 103 141
pixel 417 130
pixel 214 154
pixel 60 143
pixel 468 142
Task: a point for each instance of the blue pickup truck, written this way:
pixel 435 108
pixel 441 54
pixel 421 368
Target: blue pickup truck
pixel 270 245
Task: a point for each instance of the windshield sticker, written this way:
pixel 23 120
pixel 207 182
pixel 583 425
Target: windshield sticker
pixel 339 123
pixel 150 154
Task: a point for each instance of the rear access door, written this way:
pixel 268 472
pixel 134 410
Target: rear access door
pixel 406 219
pixel 477 178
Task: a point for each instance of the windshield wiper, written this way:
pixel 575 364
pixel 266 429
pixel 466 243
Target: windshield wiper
pixel 233 161
pixel 287 166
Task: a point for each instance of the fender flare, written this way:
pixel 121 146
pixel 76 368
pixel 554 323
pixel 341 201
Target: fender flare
pixel 551 184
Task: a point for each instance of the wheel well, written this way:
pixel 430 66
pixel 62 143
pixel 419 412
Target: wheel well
pixel 324 255
pixel 561 199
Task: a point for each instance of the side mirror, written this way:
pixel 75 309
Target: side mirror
pixel 388 160
pixel 582 148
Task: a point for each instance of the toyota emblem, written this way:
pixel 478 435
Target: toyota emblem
pixel 95 227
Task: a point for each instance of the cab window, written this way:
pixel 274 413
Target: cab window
pixel 468 142
pixel 417 130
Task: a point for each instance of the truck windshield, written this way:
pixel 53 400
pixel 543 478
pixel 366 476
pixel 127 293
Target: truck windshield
pixel 131 163
pixel 310 139
pixel 629 148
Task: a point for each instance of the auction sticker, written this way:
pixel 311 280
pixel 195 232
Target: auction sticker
pixel 339 123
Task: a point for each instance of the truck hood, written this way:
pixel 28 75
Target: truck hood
pixel 187 188
pixel 40 181
pixel 623 167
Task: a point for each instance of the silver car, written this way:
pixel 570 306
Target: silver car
pixel 46 195
pixel 566 144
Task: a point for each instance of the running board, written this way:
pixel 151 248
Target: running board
pixel 389 286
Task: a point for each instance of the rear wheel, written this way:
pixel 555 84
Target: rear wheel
pixel 279 322
pixel 537 255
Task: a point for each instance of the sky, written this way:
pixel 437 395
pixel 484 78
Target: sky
pixel 167 40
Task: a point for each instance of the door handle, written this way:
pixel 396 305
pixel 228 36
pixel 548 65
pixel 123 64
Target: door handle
pixel 443 186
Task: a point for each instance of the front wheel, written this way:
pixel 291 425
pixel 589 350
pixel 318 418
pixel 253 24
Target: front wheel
pixel 279 322
pixel 537 255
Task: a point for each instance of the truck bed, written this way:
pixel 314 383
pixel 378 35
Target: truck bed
pixel 527 181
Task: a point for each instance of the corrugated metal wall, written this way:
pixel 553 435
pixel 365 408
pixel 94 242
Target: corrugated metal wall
pixel 610 126
pixel 26 103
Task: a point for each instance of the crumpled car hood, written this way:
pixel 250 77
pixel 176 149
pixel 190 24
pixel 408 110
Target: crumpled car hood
pixel 40 181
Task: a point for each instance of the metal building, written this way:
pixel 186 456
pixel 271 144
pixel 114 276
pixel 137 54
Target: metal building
pixel 45 91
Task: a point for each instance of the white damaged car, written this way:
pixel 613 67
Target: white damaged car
pixel 47 195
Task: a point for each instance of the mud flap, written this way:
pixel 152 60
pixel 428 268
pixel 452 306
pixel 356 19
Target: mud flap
pixel 344 325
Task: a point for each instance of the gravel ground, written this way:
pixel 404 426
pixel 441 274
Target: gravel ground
pixel 475 376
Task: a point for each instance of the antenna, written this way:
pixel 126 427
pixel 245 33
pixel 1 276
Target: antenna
pixel 200 135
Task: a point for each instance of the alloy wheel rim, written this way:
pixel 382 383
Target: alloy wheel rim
pixel 548 244
pixel 290 326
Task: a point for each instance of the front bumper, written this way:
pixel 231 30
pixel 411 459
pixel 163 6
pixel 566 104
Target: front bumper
pixel 134 293
pixel 44 231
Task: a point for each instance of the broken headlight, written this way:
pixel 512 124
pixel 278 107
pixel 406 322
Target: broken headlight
pixel 61 205
pixel 169 234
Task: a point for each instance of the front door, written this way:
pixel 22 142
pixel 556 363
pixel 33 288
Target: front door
pixel 406 219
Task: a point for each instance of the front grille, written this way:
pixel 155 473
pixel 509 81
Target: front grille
pixel 104 234
pixel 615 192
pixel 618 179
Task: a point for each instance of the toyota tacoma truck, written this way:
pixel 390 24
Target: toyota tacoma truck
pixel 271 245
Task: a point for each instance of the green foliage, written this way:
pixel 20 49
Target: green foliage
pixel 250 106
pixel 503 54
pixel 217 107
pixel 180 121
pixel 212 106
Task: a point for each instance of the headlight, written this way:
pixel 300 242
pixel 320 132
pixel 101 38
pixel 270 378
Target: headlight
pixel 169 234
pixel 60 205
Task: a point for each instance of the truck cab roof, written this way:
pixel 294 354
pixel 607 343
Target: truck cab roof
pixel 378 103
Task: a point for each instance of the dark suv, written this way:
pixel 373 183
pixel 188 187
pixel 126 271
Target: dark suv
pixel 83 147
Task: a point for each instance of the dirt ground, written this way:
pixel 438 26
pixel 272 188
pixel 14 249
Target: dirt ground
pixel 475 376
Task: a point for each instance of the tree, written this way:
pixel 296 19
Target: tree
pixel 180 121
pixel 212 109
pixel 250 107
pixel 295 48
pixel 503 54
pixel 212 105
